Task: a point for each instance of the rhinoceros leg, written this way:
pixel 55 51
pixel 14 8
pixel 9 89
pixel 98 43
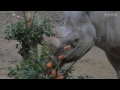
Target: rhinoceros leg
pixel 115 63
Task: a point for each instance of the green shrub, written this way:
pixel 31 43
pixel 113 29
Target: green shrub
pixel 36 68
pixel 28 31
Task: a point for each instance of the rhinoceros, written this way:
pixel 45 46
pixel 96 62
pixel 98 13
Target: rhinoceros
pixel 84 29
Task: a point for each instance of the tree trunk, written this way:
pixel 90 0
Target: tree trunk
pixel 34 49
pixel 33 53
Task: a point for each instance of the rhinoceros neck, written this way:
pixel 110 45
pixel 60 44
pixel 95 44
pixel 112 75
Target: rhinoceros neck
pixel 107 28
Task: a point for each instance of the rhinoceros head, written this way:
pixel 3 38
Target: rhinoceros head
pixel 77 31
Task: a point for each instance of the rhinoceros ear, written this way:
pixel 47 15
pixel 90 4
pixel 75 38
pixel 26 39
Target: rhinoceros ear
pixel 61 31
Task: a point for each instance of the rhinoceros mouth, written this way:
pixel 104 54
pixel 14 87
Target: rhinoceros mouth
pixel 70 55
pixel 61 50
pixel 67 54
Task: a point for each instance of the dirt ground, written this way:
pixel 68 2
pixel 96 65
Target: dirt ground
pixel 94 63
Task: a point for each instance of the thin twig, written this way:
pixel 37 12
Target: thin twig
pixel 33 20
pixel 20 13
pixel 58 65
pixel 25 19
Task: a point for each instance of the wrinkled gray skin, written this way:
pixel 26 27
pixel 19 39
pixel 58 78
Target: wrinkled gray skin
pixel 85 26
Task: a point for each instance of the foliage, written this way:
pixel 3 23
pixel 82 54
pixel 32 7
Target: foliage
pixel 37 69
pixel 28 31
pixel 34 69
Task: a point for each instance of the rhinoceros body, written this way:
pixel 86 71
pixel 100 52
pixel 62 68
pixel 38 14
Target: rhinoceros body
pixel 86 27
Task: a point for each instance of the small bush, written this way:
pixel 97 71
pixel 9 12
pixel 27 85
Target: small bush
pixel 37 68
pixel 45 67
pixel 28 31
